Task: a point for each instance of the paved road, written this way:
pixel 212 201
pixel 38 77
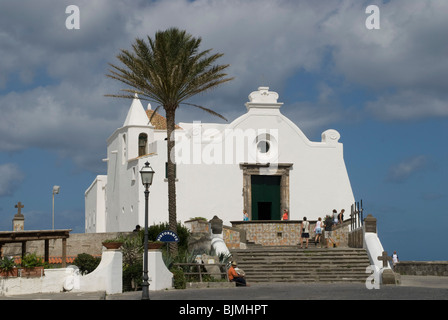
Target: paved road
pixel 411 288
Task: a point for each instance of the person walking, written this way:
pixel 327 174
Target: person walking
pixel 318 231
pixel 341 216
pixel 305 232
pixel 328 226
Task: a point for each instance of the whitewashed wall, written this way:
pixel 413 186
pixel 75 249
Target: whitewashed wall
pixel 319 180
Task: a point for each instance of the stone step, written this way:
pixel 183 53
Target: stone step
pixel 292 264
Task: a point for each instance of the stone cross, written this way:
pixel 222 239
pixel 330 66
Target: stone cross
pixel 19 207
pixel 385 258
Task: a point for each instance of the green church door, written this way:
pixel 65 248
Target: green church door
pixel 265 197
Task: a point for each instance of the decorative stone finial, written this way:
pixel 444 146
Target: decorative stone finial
pixel 263 95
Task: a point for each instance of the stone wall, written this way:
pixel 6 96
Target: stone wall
pixel 356 238
pixel 286 233
pixel 422 268
pixel 340 234
pixel 200 230
pixel 77 243
pixel 233 237
pixel 271 233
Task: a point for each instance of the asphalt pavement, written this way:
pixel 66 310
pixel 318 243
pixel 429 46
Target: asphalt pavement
pixel 411 288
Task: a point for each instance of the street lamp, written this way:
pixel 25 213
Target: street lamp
pixel 55 191
pixel 147 174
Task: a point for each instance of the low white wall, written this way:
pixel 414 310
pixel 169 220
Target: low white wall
pixel 160 277
pixel 52 281
pixel 106 277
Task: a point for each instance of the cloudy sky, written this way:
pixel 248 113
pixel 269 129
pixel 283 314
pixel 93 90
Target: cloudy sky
pixel 385 90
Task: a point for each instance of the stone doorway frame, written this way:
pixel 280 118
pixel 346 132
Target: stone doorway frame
pixel 250 169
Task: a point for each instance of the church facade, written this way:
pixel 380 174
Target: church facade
pixel 261 163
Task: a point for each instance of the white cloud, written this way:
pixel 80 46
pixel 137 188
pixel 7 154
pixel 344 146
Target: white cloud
pixel 409 105
pixel 405 169
pixel 10 179
pixel 62 107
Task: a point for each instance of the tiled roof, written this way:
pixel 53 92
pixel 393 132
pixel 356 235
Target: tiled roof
pixel 158 121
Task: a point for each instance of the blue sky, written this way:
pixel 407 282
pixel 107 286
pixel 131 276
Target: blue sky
pixel 384 90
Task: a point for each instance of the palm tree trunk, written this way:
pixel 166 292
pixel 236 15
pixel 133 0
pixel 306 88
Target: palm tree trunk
pixel 171 175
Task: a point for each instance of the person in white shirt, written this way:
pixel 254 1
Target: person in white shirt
pixel 318 231
pixel 395 258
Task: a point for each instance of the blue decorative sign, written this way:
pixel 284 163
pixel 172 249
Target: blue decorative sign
pixel 167 236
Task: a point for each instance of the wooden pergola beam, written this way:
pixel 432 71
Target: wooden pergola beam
pixel 37 235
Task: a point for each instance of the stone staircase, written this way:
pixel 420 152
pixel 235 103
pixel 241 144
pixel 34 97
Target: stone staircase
pixel 292 264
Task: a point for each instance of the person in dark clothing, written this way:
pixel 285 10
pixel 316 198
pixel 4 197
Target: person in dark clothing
pixel 328 227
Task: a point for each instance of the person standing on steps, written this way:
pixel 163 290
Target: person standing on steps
pixel 305 232
pixel 394 259
pixel 341 216
pixel 328 226
pixel 245 216
pixel 318 231
pixel 285 215
pixel 335 216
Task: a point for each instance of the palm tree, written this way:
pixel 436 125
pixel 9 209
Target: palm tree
pixel 168 70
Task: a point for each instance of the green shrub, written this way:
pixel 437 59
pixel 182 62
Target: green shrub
pixel 31 260
pixel 86 263
pixel 179 280
pixel 133 276
pixel 7 264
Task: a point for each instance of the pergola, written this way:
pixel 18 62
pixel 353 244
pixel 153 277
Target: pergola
pixel 36 235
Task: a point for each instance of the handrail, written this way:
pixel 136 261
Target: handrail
pixel 356 215
pixel 199 272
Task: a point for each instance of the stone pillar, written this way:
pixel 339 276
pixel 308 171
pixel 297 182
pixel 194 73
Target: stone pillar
pixel 216 225
pixel 18 222
pixel 370 224
pixel 64 252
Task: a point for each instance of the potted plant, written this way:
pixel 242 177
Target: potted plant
pixel 155 244
pixel 8 267
pixel 32 266
pixel 115 243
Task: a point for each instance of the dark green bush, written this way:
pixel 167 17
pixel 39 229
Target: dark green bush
pixel 86 262
pixel 154 231
pixel 179 280
pixel 133 276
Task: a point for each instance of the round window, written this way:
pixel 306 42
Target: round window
pixel 263 146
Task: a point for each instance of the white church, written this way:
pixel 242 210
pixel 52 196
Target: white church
pixel 261 162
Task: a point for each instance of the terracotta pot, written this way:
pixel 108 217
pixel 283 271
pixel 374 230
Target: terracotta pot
pixel 112 245
pixel 10 273
pixel 155 245
pixel 32 272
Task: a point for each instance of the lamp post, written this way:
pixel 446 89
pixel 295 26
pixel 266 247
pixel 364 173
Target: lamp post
pixel 55 191
pixel 147 174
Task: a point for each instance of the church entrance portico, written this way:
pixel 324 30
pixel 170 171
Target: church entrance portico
pixel 265 196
